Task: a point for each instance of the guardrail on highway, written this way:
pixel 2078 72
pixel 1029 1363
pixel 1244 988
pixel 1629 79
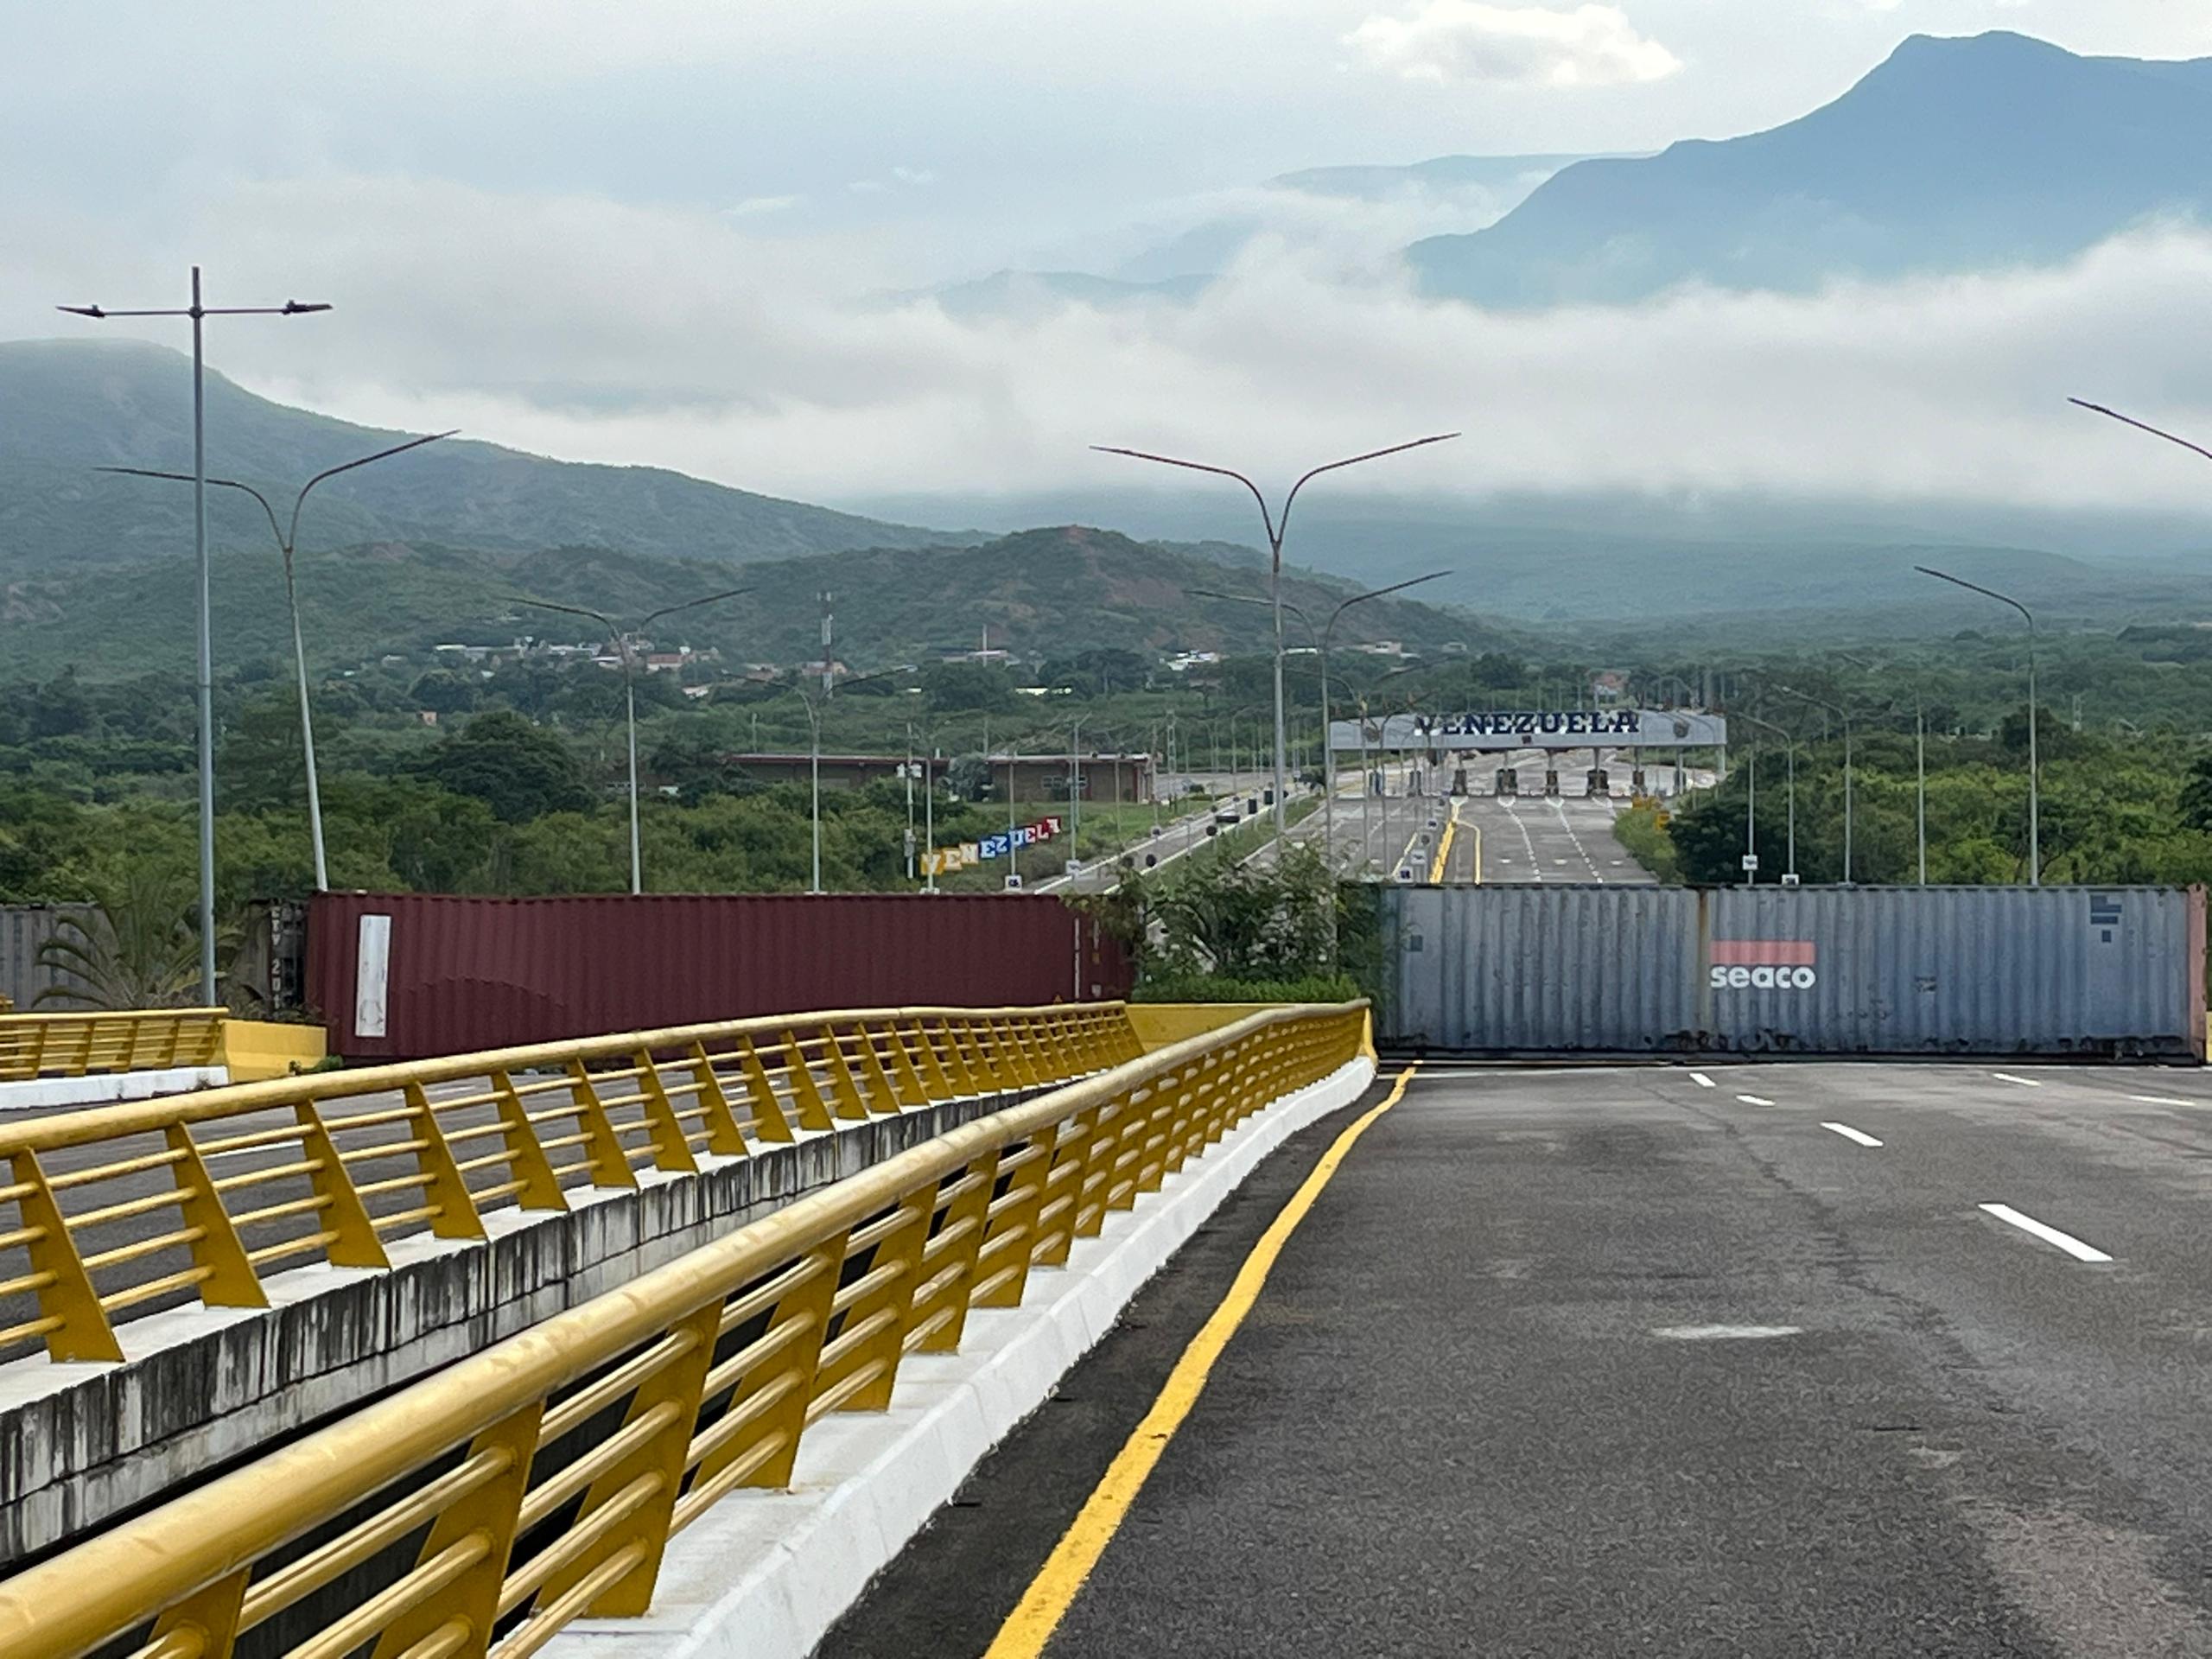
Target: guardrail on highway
pixel 539 1481
pixel 77 1045
pixel 333 1167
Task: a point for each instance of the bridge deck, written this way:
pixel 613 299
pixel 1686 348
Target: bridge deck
pixel 1501 1394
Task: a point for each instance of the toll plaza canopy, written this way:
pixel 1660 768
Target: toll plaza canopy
pixel 1530 728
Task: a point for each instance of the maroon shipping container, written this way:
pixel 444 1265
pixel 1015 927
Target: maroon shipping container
pixel 409 976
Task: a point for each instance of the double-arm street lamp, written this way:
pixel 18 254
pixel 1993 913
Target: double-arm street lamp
pixel 2035 770
pixel 1276 528
pixel 623 648
pixel 200 312
pixel 1750 833
pixel 1844 715
pixel 1321 650
pixel 287 544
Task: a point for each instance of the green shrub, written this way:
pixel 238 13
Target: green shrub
pixel 1640 830
pixel 1213 987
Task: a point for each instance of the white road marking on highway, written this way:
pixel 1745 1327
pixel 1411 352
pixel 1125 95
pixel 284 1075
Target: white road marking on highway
pixel 1702 1080
pixel 2073 1247
pixel 2164 1100
pixel 1535 865
pixel 1581 852
pixel 1850 1133
pixel 2024 1083
pixel 1726 1332
pixel 1755 1100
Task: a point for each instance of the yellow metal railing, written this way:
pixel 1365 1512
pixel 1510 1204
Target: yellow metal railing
pixel 73 1044
pixel 540 1481
pixel 207 1194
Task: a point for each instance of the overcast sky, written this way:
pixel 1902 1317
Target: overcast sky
pixel 645 232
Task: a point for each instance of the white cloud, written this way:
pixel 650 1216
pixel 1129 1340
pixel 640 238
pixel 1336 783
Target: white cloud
pixel 1467 40
pixel 596 331
pixel 754 207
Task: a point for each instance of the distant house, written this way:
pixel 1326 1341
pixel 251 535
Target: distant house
pixel 1611 686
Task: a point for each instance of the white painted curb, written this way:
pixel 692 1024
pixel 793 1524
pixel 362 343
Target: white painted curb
pixel 763 1575
pixel 103 1088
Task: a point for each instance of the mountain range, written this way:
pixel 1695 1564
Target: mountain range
pixel 69 407
pixel 434 546
pixel 1955 155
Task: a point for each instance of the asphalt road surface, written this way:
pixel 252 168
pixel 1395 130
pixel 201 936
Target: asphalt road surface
pixel 1595 1362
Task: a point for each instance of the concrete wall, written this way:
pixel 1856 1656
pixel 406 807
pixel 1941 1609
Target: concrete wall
pixel 104 1087
pixel 256 1050
pixel 80 1444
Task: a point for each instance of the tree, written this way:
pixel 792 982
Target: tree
pixel 976 686
pixel 138 950
pixel 519 770
pixel 445 692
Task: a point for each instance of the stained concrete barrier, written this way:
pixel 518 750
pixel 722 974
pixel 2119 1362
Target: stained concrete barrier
pixel 82 1443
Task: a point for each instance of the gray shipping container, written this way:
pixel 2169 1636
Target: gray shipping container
pixel 23 928
pixel 2053 972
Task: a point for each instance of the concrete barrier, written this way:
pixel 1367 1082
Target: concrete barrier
pixel 106 1088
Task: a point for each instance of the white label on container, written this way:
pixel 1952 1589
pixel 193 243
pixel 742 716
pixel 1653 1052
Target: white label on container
pixel 372 976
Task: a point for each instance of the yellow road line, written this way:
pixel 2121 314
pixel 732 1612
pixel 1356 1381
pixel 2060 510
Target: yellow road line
pixel 1444 846
pixel 1053 1589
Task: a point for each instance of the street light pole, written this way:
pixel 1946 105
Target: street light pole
pixel 1844 715
pixel 287 544
pixel 200 312
pixel 622 648
pixel 814 756
pixel 1275 532
pixel 2035 769
pixel 1790 754
pixel 1075 791
pixel 1321 650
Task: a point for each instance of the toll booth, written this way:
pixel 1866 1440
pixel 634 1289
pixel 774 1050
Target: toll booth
pixel 1459 780
pixel 1599 782
pixel 1509 781
pixel 1551 783
pixel 1636 783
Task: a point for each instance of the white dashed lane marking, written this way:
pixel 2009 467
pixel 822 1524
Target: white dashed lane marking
pixel 2066 1242
pixel 1850 1133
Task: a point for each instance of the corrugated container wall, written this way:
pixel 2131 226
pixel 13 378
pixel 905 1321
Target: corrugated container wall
pixel 402 976
pixel 23 928
pixel 2054 972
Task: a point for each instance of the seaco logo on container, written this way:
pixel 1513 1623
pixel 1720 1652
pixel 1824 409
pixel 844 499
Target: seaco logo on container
pixel 1763 965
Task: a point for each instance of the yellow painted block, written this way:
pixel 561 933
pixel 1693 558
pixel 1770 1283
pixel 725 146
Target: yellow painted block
pixel 1158 1024
pixel 256 1050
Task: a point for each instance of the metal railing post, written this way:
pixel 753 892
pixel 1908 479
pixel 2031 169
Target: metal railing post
pixel 724 1134
pixel 353 1241
pixel 227 1276
pixel 482 1520
pixel 443 1188
pixel 768 1120
pixel 540 1187
pixel 78 1326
